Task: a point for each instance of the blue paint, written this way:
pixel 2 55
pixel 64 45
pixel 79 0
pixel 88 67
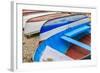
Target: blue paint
pixel 64 19
pixel 78 31
pixel 68 39
pixel 39 51
pixel 56 43
pixel 49 26
pixel 60 45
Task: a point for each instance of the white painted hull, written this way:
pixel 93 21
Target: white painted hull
pixel 26 17
pixel 33 27
pixel 51 54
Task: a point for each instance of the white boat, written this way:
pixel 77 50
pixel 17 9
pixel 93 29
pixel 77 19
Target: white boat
pixel 32 15
pixel 34 24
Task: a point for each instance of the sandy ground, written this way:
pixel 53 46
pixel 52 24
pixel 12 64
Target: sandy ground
pixel 29 46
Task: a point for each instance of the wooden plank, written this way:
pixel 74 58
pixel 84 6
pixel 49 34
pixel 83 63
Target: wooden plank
pixel 77 52
pixel 80 44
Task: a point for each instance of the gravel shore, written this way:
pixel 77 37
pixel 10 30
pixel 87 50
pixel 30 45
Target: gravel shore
pixel 29 46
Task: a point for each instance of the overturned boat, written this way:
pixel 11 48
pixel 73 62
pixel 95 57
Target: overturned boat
pixel 32 23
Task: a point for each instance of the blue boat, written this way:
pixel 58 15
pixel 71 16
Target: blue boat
pixel 60 33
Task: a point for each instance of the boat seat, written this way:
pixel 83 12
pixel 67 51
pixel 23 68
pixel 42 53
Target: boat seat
pixel 78 43
pixel 78 31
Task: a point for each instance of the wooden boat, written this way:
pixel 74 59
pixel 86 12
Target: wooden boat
pixel 34 24
pixel 67 39
pixel 27 14
pixel 77 52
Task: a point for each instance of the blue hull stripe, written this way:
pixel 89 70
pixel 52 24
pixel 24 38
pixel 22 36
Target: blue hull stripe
pixel 50 27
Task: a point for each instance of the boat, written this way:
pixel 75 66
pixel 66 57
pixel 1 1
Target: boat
pixel 32 23
pixel 29 14
pixel 64 38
